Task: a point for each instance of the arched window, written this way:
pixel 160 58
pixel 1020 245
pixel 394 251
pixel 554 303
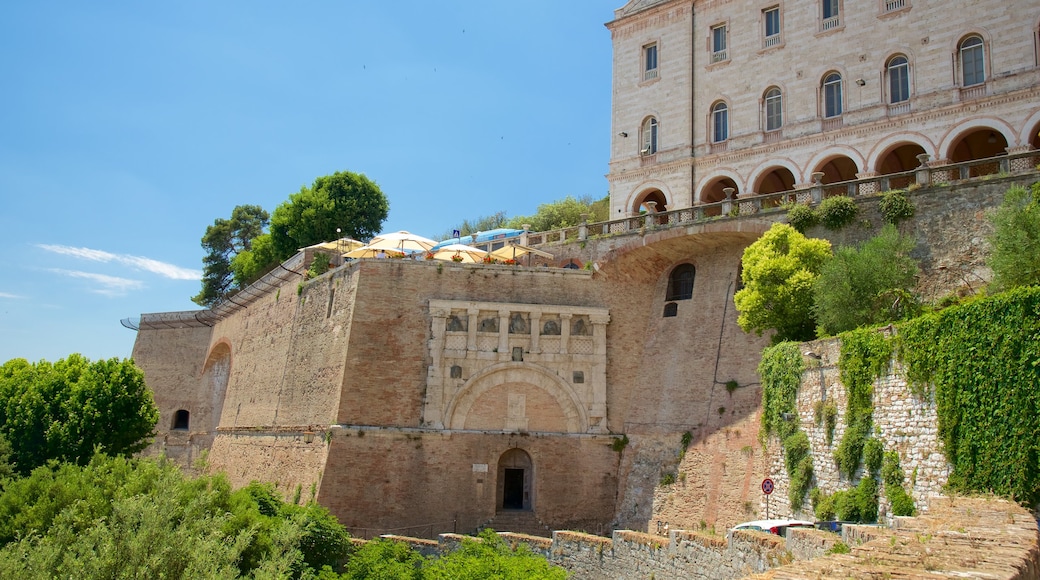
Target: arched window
pixel 973 62
pixel 180 420
pixel 898 79
pixel 680 282
pixel 719 122
pixel 832 95
pixel 649 136
pixel 774 106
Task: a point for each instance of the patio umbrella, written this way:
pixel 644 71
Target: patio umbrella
pixel 402 241
pixel 514 251
pixel 341 245
pixel 370 252
pixel 467 253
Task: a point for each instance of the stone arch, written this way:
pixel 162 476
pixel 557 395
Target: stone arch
pixel 514 489
pixel 501 388
pixel 774 177
pixel 1030 132
pixel 655 195
pixel 638 196
pixel 710 187
pixel 836 162
pixel 221 349
pixel 970 139
pixel 889 144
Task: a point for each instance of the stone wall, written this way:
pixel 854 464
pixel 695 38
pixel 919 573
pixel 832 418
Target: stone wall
pixel 904 422
pixel 960 538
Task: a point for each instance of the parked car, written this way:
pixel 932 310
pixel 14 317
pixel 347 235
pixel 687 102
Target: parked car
pixel 778 527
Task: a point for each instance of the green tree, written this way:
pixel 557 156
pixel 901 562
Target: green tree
pixel 250 264
pixel 778 272
pixel 69 409
pixel 345 200
pixel 223 241
pixel 564 213
pixel 1015 243
pixel 869 285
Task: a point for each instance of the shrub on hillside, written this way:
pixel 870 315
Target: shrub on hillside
pixel 895 207
pixel 802 217
pixel 869 285
pixel 1015 243
pixel 838 212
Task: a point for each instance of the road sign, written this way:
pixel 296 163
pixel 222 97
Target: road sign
pixel 767 486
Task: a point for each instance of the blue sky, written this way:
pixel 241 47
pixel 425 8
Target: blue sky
pixel 127 128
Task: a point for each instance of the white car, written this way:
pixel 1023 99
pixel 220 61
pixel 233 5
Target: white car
pixel 778 527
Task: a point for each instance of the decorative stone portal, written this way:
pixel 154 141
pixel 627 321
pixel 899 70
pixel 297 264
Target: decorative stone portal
pixel 515 477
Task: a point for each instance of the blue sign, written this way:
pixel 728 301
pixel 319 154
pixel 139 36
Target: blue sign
pixel 455 233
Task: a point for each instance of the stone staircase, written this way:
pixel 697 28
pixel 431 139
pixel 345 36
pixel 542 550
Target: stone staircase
pixel 517 521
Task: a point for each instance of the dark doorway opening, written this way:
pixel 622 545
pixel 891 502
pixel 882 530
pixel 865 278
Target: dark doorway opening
pixel 513 489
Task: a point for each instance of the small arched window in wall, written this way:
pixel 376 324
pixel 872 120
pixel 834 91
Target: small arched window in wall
pixel 180 420
pixel 832 95
pixel 456 372
pixel 898 70
pixel 671 309
pixel 719 122
pixel 680 282
pixel 774 109
pixel 578 377
pixel 649 137
pixel 973 61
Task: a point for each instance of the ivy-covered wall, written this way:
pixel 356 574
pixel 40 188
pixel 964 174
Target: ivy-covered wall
pixel 948 399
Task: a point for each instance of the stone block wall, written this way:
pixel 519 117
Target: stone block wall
pixel 904 422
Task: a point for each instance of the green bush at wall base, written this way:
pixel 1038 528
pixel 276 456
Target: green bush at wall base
pixel 838 212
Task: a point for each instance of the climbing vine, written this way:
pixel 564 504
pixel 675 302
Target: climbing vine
pixel 983 361
pixel 864 357
pixel 781 371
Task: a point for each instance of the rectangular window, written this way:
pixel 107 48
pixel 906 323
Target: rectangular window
pixel 718 43
pixel 771 22
pixel 649 62
pixel 831 14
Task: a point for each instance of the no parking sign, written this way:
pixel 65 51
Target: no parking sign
pixel 767 486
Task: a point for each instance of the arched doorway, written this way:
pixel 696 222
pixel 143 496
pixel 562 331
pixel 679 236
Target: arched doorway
pixel 837 170
pixel 515 482
pixel 981 143
pixel 900 158
pixel 714 192
pixel 660 203
pixel 776 180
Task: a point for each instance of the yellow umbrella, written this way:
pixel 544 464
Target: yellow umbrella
pixel 514 251
pixel 370 252
pixel 341 245
pixel 464 252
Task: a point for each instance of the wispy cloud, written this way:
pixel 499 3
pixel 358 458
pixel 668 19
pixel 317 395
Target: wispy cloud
pixel 138 262
pixel 110 285
pixel 11 296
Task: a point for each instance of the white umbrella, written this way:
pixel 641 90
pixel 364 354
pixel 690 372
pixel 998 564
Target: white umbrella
pixel 402 241
pixel 466 253
pixel 341 245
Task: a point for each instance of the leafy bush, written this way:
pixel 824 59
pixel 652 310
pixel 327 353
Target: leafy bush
pixel 838 212
pixel 873 455
pixel 779 271
pixel 781 369
pixel 1015 243
pixel 319 265
pixel 869 285
pixel 892 476
pixel 384 559
pixel 490 557
pixel 895 207
pixel 859 504
pixel 802 217
pixel 798 461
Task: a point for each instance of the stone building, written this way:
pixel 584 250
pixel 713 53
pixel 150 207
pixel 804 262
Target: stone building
pixel 752 97
pixel 418 397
